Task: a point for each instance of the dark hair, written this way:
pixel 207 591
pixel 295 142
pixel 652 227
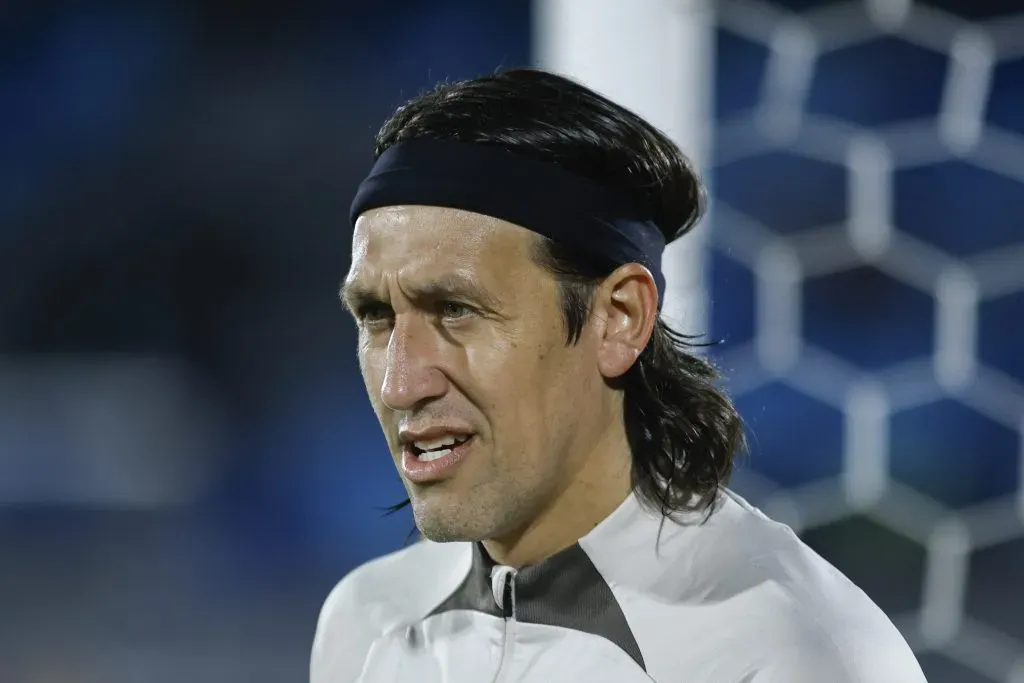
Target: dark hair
pixel 683 431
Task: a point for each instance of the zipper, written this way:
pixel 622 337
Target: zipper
pixel 508 610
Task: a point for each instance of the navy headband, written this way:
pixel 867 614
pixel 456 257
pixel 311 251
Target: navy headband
pixel 541 197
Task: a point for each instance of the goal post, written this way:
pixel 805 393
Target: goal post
pixel 656 58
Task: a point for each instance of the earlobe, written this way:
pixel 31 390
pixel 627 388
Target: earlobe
pixel 628 303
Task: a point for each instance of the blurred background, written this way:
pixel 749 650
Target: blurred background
pixel 188 462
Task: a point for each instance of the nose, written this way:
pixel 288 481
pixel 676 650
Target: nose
pixel 411 374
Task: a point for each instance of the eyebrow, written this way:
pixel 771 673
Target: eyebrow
pixel 354 296
pixel 452 286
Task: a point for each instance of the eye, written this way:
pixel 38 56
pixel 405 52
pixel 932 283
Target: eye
pixel 372 313
pixel 453 310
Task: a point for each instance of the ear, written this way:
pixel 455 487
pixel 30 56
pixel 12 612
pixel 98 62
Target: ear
pixel 627 306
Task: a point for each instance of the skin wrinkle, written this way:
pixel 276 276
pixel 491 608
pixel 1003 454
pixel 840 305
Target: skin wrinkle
pixel 550 457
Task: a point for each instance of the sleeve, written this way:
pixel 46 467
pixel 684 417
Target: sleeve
pixel 871 660
pixel 342 639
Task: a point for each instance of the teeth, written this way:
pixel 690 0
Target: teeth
pixel 437 443
pixel 430 456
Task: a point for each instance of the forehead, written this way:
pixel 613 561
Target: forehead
pixel 409 241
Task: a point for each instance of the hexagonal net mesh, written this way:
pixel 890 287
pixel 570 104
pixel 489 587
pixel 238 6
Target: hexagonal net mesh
pixel 867 279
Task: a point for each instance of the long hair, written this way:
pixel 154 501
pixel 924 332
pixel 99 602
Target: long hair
pixel 684 432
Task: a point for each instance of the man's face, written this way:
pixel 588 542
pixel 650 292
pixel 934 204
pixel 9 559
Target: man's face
pixel 487 411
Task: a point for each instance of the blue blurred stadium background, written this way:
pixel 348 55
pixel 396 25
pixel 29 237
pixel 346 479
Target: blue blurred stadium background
pixel 187 458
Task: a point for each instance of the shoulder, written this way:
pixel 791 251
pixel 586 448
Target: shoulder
pixel 744 584
pixel 819 624
pixel 800 647
pixel 377 597
pixel 815 623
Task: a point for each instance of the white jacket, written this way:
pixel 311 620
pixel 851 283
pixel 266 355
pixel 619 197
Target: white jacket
pixel 739 599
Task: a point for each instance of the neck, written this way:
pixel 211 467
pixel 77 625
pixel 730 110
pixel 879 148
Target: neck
pixel 594 493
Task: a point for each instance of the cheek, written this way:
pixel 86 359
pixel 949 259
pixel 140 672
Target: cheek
pixel 372 370
pixel 567 381
pixel 570 387
pixel 543 415
pixel 529 383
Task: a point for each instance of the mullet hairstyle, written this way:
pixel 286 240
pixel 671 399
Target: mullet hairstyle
pixel 684 432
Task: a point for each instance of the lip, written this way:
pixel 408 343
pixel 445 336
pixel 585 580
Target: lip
pixel 407 435
pixel 419 472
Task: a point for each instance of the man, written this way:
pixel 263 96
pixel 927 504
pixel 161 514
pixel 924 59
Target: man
pixel 565 457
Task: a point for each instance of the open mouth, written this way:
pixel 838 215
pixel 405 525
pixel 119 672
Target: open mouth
pixel 434 449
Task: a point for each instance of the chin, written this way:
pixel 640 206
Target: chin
pixel 440 531
pixel 447 521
